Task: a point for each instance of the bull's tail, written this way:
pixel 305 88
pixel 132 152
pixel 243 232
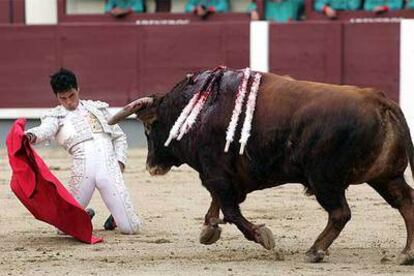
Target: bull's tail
pixel 409 146
pixel 405 131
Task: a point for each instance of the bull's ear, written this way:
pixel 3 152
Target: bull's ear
pixel 190 78
pixel 147 116
pixel 149 113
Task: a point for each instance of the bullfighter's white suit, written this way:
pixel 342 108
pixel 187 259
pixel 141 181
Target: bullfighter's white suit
pixel 96 148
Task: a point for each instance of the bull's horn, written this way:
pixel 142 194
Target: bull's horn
pixel 130 108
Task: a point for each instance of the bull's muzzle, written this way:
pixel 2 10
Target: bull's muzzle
pixel 157 170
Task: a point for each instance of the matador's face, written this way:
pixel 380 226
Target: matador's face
pixel 69 99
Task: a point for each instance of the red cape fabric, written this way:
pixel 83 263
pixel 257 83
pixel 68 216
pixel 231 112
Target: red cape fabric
pixel 41 192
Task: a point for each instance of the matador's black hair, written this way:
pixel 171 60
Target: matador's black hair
pixel 63 80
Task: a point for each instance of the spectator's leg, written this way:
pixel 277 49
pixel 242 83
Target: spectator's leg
pixel 163 5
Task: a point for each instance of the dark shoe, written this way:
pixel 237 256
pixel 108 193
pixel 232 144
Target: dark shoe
pixel 110 223
pixel 90 212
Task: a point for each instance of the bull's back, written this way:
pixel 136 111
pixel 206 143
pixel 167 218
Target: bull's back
pixel 279 95
pixel 312 130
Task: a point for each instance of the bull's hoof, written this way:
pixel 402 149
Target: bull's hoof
pixel 314 256
pixel 406 258
pixel 210 234
pixel 264 236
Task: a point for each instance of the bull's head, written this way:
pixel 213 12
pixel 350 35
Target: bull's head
pixel 158 115
pixel 159 158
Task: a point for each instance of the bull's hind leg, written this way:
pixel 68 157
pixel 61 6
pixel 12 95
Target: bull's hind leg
pixel 334 202
pixel 400 196
pixel 211 232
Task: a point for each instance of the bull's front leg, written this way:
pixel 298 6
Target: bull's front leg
pixel 211 230
pixel 229 198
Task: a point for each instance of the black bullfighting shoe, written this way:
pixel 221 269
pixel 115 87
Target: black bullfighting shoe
pixel 110 223
pixel 90 212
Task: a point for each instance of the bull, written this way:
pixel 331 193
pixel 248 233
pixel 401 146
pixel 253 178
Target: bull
pixel 324 136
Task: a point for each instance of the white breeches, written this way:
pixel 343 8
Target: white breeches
pixel 95 166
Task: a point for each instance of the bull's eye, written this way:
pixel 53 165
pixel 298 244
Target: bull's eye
pixel 191 80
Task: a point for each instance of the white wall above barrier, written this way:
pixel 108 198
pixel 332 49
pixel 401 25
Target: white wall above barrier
pixel 85 6
pixel 407 71
pixel 259 46
pixel 41 12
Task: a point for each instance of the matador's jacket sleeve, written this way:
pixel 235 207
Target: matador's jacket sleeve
pixel 119 138
pixel 50 124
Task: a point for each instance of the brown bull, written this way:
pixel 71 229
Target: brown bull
pixel 324 136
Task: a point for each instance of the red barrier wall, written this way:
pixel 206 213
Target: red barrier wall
pixel 28 55
pixel 4 12
pixel 168 52
pixel 309 51
pixel 117 63
pixel 19 11
pixel 104 57
pixel 343 53
pixel 12 11
pixel 371 56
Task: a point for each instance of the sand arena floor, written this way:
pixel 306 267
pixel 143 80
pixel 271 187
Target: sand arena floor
pixel 173 207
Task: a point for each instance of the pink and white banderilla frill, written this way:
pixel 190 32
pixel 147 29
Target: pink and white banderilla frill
pixel 190 112
pixel 250 107
pixel 175 130
pixel 241 92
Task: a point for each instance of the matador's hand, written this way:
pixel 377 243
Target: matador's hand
pixel 31 137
